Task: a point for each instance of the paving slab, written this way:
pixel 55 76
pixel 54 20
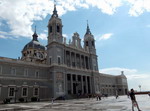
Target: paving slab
pixel 123 103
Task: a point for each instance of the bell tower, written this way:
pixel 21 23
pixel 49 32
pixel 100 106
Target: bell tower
pixel 89 46
pixel 55 39
pixel 55 28
pixel 89 42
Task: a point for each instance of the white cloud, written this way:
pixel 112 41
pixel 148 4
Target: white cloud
pixel 3 37
pixel 65 35
pixel 134 77
pixel 46 31
pixel 42 36
pixel 105 36
pixel 20 14
pixel 1 24
pixel 138 7
pixel 117 70
pixel 106 6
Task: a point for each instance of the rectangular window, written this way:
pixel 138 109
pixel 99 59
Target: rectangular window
pixel 50 60
pixel 25 72
pixel 36 92
pixel 58 60
pixel 79 78
pixel 83 78
pixel 86 43
pixel 74 77
pixel 68 77
pixel 11 92
pixel 13 71
pixel 24 91
pixel 37 74
pixel 95 68
pixel 73 64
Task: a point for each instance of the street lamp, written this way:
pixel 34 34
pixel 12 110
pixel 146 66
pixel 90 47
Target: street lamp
pixel 140 87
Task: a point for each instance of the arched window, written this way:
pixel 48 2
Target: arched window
pixel 86 43
pixel 93 43
pixel 50 30
pixel 58 28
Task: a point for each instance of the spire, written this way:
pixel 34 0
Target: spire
pixel 55 10
pixel 88 29
pixel 35 35
pixel 35 29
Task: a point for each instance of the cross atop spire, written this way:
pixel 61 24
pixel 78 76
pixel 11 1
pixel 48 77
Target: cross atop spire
pixel 54 11
pixel 35 35
pixel 35 29
pixel 55 2
pixel 88 29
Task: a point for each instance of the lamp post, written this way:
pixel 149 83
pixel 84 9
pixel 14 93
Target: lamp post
pixel 140 87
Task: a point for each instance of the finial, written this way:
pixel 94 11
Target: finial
pixel 55 11
pixel 88 29
pixel 54 2
pixel 35 29
pixel 35 35
pixel 122 72
pixel 87 23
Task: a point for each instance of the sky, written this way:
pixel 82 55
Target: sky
pixel 121 29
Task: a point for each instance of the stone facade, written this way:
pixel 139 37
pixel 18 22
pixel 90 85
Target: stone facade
pixel 61 69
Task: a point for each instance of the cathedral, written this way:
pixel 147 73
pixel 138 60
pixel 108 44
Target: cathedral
pixel 59 69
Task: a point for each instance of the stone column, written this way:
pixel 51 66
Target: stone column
pixel 82 84
pixel 90 79
pixel 89 63
pixel 86 83
pixel 77 85
pixel 70 59
pixel 75 59
pixel 80 61
pixel 66 84
pixel 84 62
pixel 71 81
pixel 64 57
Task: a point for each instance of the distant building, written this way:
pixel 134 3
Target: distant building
pixel 59 69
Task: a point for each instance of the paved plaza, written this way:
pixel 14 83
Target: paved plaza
pixel 123 103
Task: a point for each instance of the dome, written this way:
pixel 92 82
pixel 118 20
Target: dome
pixel 35 45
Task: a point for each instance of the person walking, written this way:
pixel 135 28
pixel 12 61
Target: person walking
pixel 52 101
pixel 133 99
pixel 117 96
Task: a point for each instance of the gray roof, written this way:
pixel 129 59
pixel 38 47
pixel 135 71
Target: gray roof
pixel 34 44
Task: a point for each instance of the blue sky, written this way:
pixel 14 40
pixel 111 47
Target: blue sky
pixel 121 29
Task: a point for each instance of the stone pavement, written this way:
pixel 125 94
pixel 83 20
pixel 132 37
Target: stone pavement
pixel 106 104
